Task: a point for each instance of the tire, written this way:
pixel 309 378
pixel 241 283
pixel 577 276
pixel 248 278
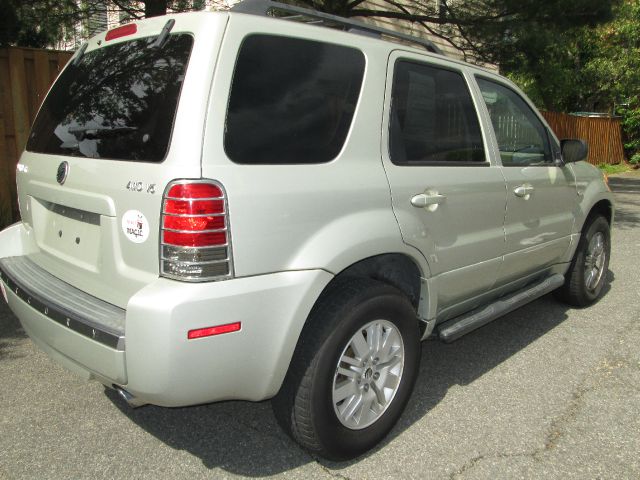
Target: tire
pixel 587 273
pixel 351 311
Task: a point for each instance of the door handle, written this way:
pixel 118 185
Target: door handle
pixel 428 199
pixel 523 191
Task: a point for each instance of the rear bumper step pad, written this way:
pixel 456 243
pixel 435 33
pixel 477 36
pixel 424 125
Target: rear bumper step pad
pixel 70 307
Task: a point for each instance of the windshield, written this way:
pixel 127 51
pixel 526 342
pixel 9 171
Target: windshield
pixel 118 102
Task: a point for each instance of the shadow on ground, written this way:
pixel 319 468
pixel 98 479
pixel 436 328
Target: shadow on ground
pixel 11 332
pixel 627 192
pixel 243 438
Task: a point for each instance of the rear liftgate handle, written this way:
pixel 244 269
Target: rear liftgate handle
pixel 429 200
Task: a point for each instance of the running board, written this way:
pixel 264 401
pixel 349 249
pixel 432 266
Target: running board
pixel 459 326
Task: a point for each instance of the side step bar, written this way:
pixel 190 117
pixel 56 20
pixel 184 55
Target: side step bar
pixel 459 326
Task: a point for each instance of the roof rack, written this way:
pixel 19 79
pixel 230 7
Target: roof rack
pixel 290 12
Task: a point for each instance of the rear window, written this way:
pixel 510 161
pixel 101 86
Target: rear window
pixel 292 100
pixel 118 103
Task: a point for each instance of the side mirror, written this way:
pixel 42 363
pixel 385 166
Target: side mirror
pixel 573 150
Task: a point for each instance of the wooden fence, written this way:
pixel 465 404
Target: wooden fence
pixel 603 135
pixel 25 77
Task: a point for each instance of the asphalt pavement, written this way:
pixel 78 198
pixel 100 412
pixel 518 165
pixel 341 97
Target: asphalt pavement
pixel 544 392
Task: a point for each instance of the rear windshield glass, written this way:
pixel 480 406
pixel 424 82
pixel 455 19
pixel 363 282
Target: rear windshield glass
pixel 292 100
pixel 118 103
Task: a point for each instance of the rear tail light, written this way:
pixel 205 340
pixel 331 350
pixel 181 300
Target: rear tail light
pixel 195 245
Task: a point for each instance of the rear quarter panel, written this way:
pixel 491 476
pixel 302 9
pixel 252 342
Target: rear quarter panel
pixel 296 217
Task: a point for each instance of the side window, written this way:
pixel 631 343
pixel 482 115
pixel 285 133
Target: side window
pixel 291 100
pixel 433 120
pixel 522 138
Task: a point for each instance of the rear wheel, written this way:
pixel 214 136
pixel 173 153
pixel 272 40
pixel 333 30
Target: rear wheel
pixel 353 369
pixel 588 271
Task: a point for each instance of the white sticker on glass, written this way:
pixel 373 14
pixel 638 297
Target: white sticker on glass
pixel 135 226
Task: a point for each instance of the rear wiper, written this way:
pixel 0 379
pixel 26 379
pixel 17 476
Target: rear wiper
pixel 164 34
pixel 92 133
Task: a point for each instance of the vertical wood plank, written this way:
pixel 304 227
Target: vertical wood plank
pixel 31 87
pixel 19 97
pixel 8 203
pixel 7 154
pixel 5 93
pixel 63 58
pixel 42 73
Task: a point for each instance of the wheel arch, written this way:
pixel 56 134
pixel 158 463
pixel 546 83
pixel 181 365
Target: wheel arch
pixel 398 270
pixel 395 269
pixel 602 207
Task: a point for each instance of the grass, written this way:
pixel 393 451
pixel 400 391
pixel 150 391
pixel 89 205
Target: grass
pixel 613 169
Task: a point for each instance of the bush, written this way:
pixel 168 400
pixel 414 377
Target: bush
pixel 631 131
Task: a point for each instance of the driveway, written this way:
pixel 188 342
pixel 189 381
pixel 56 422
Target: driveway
pixel 545 392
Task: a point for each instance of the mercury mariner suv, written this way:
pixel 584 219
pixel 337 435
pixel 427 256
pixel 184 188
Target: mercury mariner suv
pixel 271 202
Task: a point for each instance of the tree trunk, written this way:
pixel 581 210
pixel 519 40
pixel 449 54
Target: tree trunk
pixel 154 8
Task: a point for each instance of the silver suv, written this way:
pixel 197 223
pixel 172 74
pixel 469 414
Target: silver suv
pixel 234 206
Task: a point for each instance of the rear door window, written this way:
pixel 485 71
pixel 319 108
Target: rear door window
pixel 292 100
pixel 118 103
pixel 433 119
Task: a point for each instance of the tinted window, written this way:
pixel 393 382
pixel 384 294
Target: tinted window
pixel 433 119
pixel 119 102
pixel 522 138
pixel 292 100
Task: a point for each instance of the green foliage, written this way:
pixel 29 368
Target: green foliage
pixel 36 23
pixel 42 23
pixel 631 128
pixel 488 31
pixel 590 68
pixel 614 169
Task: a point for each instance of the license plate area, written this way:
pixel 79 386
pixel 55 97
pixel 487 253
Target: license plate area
pixel 68 233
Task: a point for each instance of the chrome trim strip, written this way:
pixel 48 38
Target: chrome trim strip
pixel 186 215
pixel 186 262
pixel 189 199
pixel 195 248
pixel 222 245
pixel 215 230
pixel 65 319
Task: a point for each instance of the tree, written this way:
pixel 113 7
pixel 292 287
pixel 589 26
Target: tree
pixel 35 23
pixel 487 31
pixel 154 8
pixel 590 68
pixel 42 23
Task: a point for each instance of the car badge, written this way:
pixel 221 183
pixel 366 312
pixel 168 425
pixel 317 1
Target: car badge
pixel 63 171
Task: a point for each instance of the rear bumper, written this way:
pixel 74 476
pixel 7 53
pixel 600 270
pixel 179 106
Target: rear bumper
pixel 165 368
pixel 156 362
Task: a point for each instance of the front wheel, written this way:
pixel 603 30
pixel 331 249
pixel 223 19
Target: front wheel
pixel 587 274
pixel 353 369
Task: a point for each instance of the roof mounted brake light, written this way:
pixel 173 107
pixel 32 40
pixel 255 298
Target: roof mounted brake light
pixel 122 31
